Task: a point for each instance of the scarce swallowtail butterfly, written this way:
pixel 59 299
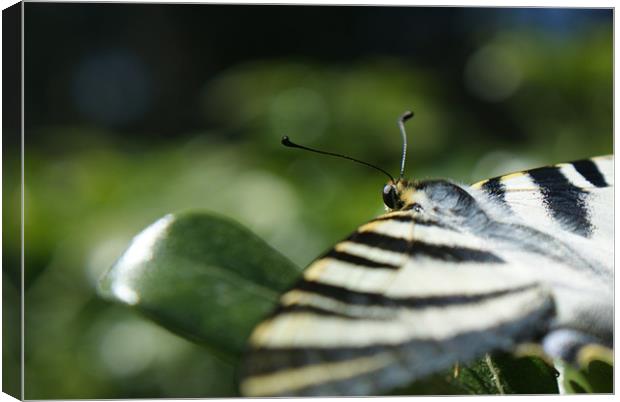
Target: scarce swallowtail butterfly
pixel 449 273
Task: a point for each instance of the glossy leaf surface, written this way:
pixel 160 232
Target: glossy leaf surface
pixel 202 276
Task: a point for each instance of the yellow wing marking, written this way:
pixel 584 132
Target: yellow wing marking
pixel 503 179
pixel 297 378
pixel 316 269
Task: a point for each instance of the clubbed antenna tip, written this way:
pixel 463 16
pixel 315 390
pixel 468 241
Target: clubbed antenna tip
pixel 401 124
pixel 286 142
pixel 406 116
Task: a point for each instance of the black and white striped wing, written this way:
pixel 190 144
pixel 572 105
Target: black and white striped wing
pixel 571 207
pixel 574 197
pixel 572 202
pixel 399 299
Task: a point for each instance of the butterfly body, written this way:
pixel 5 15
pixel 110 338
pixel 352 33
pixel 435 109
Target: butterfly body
pixel 449 273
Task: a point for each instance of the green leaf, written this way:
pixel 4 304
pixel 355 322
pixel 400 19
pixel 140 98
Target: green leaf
pixel 504 373
pixel 202 276
pixel 525 375
pixel 594 373
pixel 501 373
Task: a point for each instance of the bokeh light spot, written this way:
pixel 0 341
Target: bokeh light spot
pixel 493 73
pixel 265 199
pixel 128 347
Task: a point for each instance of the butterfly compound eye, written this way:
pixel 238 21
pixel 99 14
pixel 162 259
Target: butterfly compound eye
pixel 390 196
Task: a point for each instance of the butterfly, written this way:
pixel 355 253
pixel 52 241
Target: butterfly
pixel 449 273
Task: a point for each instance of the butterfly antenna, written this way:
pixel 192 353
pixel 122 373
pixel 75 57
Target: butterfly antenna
pixel 401 123
pixel 288 143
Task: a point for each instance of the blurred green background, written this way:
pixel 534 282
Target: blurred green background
pixel 134 111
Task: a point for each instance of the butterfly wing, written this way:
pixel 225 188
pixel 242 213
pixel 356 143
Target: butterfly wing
pixel 571 204
pixel 574 197
pixel 397 300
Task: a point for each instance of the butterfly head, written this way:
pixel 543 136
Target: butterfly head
pixel 434 199
pixel 404 195
pixel 394 193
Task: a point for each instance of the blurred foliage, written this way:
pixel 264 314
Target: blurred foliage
pixel 494 95
pixel 594 374
pixel 11 278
